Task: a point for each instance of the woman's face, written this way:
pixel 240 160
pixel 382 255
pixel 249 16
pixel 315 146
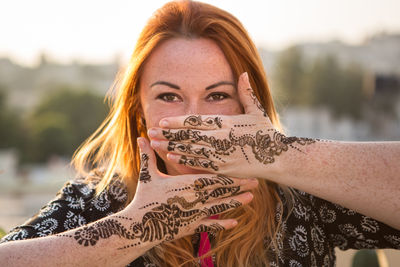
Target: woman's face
pixel 187 76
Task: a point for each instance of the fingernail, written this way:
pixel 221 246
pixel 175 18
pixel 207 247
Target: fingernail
pixel 234 223
pixel 253 180
pixel 154 143
pixel 171 156
pixel 140 142
pixel 246 77
pixel 249 195
pixel 164 123
pixel 152 132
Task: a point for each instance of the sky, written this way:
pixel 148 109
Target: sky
pixel 98 31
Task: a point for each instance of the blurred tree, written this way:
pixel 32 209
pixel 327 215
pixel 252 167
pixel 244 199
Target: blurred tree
pixel 288 78
pixel 52 133
pixel 63 120
pixel 10 124
pixel 322 82
pixel 338 88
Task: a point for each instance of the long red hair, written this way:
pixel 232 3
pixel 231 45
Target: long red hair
pixel 113 145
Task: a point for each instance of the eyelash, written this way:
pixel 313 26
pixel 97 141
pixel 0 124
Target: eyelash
pixel 164 96
pixel 224 95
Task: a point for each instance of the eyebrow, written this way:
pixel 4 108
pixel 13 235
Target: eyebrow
pixel 174 86
pixel 219 84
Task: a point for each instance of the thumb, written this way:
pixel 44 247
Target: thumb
pixel 148 165
pixel 247 97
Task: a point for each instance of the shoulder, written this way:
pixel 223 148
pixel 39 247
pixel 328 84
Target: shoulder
pixel 84 191
pixel 74 205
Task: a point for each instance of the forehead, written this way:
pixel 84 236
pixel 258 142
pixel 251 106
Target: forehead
pixel 180 58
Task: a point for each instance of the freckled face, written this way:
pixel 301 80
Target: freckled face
pixel 187 76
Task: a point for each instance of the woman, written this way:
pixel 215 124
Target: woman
pixel 180 90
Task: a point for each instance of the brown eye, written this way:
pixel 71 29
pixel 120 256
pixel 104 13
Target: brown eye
pixel 217 96
pixel 169 97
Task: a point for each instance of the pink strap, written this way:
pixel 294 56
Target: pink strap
pixel 205 247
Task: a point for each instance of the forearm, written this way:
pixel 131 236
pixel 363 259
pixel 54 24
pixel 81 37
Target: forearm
pixel 364 177
pixel 64 250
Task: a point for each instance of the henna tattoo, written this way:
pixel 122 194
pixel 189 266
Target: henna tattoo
pixel 202 182
pixel 222 147
pixel 265 147
pixel 89 235
pixel 223 191
pixel 212 229
pixel 144 175
pixel 203 196
pixel 194 120
pixel 219 208
pixel 164 220
pixel 148 205
pixel 198 162
pixel 256 102
pixel 173 146
pixel 219 179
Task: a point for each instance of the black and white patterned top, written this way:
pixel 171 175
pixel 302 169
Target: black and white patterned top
pixel 308 237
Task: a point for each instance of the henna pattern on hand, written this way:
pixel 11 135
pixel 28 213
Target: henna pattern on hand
pixel 198 162
pixel 89 235
pixel 212 229
pixel 187 148
pixel 256 102
pixel 194 120
pixel 202 182
pixel 222 147
pixel 144 175
pixel 203 196
pixel 219 208
pixel 265 146
pixel 219 179
pixel 163 221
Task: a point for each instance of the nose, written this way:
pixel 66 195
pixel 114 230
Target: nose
pixel 194 107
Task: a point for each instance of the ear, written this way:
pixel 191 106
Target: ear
pixel 247 97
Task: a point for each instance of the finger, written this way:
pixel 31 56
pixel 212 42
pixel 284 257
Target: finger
pixel 208 138
pixel 217 186
pixel 194 162
pixel 189 149
pixel 226 204
pixel 214 226
pixel 248 98
pixel 148 165
pixel 203 122
pixel 216 191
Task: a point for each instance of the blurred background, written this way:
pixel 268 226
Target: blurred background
pixel 333 67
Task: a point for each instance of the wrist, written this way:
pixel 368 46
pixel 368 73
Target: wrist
pixel 131 238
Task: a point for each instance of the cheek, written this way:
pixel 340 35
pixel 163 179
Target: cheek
pixel 230 107
pixel 153 113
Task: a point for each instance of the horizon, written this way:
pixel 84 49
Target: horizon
pixel 118 57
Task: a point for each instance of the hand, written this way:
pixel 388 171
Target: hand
pixel 245 145
pixel 171 207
